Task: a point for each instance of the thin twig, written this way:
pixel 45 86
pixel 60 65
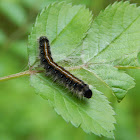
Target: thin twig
pixel 127 67
pixel 20 74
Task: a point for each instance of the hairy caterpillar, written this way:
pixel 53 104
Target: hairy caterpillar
pixel 61 75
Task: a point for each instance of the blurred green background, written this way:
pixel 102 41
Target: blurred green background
pixel 26 116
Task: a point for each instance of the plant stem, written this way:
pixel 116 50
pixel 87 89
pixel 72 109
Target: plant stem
pixel 20 74
pixel 127 67
pixel 29 72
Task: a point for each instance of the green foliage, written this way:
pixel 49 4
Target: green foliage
pixel 25 116
pixel 89 114
pixel 114 36
pixel 64 25
pixel 111 40
pixel 118 81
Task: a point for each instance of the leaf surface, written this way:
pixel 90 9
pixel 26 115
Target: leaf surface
pixel 64 25
pixel 94 115
pixel 114 36
pixel 118 81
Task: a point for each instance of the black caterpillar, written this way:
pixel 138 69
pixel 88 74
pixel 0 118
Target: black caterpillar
pixel 74 84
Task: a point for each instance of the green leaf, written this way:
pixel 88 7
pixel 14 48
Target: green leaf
pixel 114 36
pixel 64 25
pixel 94 115
pixel 118 81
